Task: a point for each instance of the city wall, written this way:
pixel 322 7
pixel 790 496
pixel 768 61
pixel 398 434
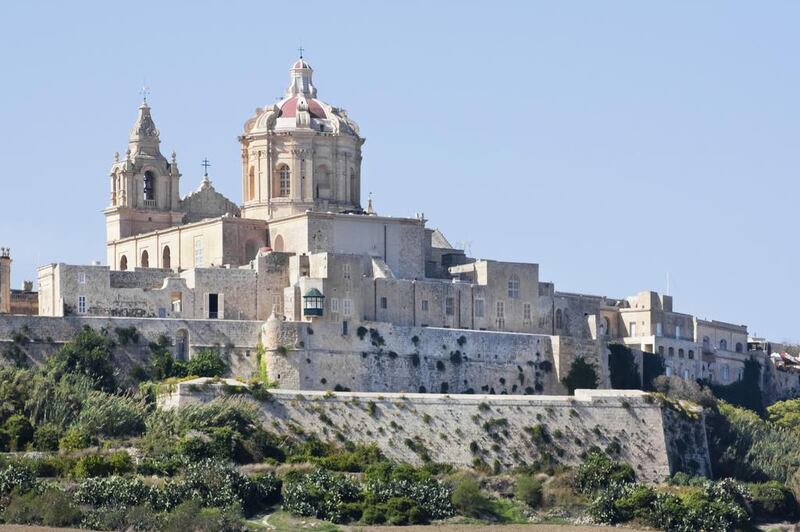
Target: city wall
pixel 381 357
pixel 500 431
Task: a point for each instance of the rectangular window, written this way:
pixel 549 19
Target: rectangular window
pixel 726 374
pixel 501 309
pixel 334 305
pixel 277 304
pixel 384 303
pixel 213 306
pixel 81 304
pixel 669 371
pixel 344 327
pixel 81 277
pixel 526 311
pixel 347 307
pixel 162 312
pixel 198 252
pixel 449 306
pixel 632 328
pixel 677 331
pixel 346 271
pixel 658 329
pixel 424 305
pixel 479 308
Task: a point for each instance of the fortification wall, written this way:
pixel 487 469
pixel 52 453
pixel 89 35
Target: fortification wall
pixel 466 430
pixel 381 357
pixel 40 336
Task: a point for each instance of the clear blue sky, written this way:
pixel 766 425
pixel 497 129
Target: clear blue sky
pixel 610 142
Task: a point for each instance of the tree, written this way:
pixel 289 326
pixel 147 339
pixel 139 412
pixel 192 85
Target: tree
pixel 206 363
pixel 652 367
pixel 90 353
pixel 622 368
pixel 582 374
pixel 785 414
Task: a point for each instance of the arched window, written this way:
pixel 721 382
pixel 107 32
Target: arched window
pixel 723 344
pixel 671 351
pixel 661 350
pixel 353 191
pixel 606 326
pixel 513 287
pixel 251 184
pixel 149 186
pixel 145 259
pixel 123 263
pixel 739 347
pixel 181 344
pixel 166 259
pixel 558 319
pixel 691 353
pixel 277 244
pixel 680 353
pixel 284 178
pixel 322 180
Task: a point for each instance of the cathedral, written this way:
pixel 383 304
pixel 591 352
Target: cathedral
pixel 302 257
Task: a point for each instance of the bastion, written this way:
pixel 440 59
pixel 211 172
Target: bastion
pixel 655 437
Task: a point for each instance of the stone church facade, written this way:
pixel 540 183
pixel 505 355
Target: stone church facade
pixel 326 275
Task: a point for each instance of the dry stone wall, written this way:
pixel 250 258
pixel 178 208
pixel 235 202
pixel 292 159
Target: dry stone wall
pixel 467 430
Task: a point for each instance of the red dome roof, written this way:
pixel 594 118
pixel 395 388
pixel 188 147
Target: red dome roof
pixel 289 108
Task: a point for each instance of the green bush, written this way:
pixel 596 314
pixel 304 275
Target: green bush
pixel 45 437
pixel 94 465
pixel 20 478
pixel 191 516
pixel 19 431
pixel 772 500
pixel 76 438
pixel 52 508
pixel 90 353
pixel 581 375
pixel 112 415
pixel 323 495
pixel 206 363
pixel 423 498
pixel 468 499
pixel 598 471
pixel 528 490
pixel 622 368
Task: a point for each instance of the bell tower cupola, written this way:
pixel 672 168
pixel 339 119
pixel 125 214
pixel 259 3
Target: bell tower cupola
pixel 144 184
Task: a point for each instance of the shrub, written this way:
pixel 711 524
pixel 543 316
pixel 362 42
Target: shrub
pixel 93 465
pixel 51 508
pixel 407 500
pixel 191 516
pixel 598 471
pixel 45 437
pixel 322 495
pixel 206 363
pixel 112 415
pixel 772 499
pixel 76 438
pixel 528 490
pixel 582 374
pixel 19 431
pixel 127 335
pixel 112 492
pixel 623 371
pixel 17 477
pixel 90 353
pixel 468 499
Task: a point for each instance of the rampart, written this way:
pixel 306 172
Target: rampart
pixel 500 431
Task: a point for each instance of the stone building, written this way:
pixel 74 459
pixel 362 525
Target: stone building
pixel 300 251
pixel 23 301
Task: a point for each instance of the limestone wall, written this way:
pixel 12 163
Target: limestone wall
pixel 236 339
pixel 499 431
pixel 381 357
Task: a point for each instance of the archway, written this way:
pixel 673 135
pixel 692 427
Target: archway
pixel 123 263
pixel 145 259
pixel 166 259
pixel 277 244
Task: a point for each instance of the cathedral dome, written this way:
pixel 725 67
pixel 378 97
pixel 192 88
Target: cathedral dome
pixel 288 108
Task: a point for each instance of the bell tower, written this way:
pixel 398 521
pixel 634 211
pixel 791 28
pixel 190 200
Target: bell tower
pixel 144 184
